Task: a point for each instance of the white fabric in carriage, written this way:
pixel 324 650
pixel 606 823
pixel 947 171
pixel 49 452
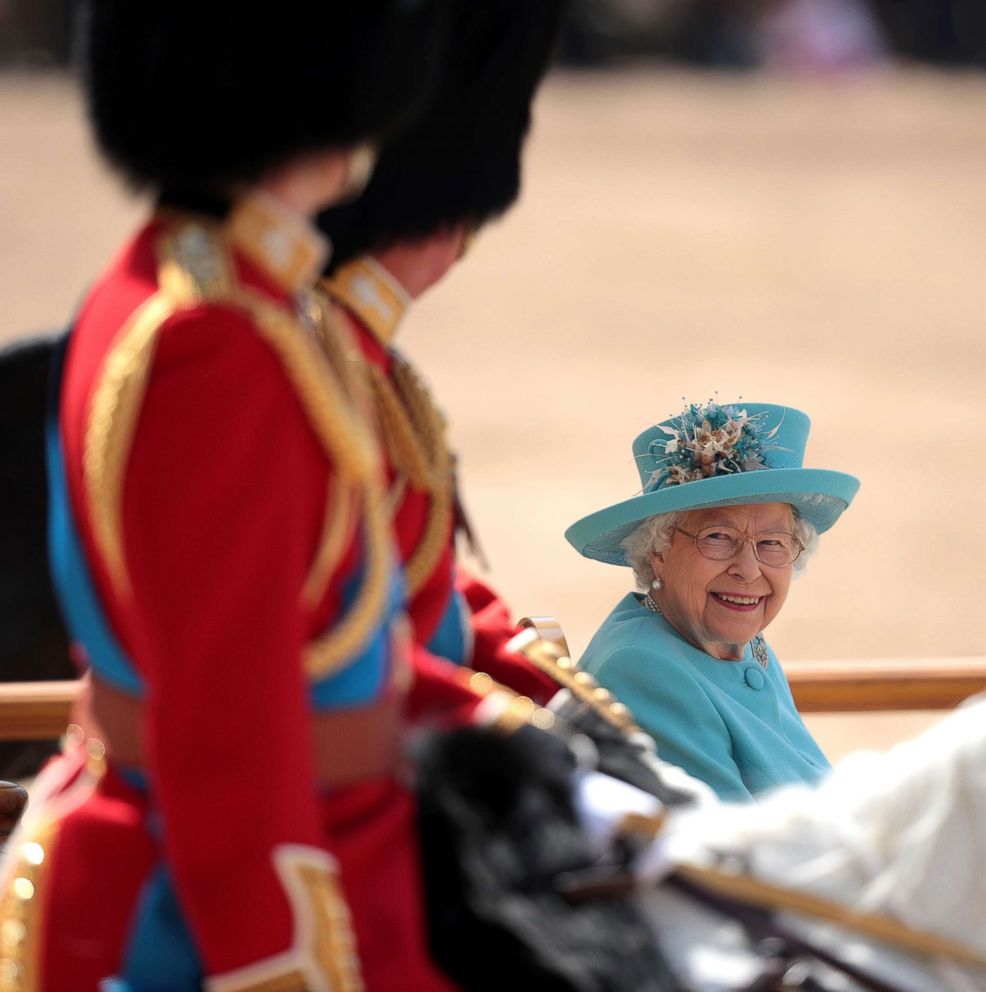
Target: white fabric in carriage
pixel 901 833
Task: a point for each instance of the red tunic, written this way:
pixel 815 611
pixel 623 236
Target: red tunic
pixel 250 825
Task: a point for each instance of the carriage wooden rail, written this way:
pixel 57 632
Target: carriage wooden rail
pixel 39 710
pixel 885 684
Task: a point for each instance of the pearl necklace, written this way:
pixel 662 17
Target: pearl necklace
pixel 758 645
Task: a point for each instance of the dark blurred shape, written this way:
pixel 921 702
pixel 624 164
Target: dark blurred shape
pixel 33 642
pixel 367 67
pixel 703 33
pixel 36 33
pixel 718 34
pixel 747 34
pixel 13 800
pixel 499 834
pixel 945 32
pixel 600 32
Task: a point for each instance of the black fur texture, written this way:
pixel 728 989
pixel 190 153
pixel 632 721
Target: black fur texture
pixel 460 161
pixel 33 642
pixel 498 831
pixel 205 95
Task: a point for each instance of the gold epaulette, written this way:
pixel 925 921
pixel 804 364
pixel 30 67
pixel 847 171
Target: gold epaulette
pixel 549 658
pixel 365 288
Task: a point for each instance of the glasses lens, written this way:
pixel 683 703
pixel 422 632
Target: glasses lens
pixel 774 548
pixel 718 543
pixel 777 548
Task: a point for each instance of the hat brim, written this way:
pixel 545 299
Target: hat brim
pixel 819 495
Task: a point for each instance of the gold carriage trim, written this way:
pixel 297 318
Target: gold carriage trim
pixel 113 413
pixel 22 907
pixel 549 658
pixel 505 709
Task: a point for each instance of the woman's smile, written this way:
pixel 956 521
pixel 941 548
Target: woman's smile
pixel 743 604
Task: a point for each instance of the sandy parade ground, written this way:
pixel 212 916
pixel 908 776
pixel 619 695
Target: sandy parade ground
pixel 817 243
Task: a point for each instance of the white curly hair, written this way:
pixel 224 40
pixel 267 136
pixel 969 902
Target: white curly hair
pixel 655 534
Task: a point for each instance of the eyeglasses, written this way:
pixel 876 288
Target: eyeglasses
pixel 775 548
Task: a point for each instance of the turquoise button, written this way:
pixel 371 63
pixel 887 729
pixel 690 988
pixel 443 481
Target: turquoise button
pixel 754 678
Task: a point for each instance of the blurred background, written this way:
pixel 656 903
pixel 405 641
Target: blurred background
pixel 776 201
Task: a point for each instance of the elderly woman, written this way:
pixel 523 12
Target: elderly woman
pixel 726 513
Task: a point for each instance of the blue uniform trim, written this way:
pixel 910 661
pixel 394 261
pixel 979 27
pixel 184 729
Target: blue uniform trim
pixel 368 674
pixel 70 574
pixel 160 954
pixel 449 639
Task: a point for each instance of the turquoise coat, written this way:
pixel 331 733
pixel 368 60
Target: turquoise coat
pixel 731 724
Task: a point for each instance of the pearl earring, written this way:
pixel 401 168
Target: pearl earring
pixel 657 583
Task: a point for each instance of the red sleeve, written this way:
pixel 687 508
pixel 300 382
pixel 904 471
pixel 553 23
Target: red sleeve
pixel 492 629
pixel 440 693
pixel 224 497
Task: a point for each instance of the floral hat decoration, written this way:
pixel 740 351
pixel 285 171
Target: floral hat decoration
pixel 718 455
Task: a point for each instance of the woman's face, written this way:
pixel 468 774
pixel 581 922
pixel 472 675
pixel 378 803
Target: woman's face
pixel 699 595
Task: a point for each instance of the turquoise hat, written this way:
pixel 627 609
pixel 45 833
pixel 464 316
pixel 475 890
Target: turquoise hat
pixel 718 455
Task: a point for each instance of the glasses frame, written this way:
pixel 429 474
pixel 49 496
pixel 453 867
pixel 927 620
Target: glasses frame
pixel 752 541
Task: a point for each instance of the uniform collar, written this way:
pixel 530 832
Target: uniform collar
pixel 368 291
pixel 279 241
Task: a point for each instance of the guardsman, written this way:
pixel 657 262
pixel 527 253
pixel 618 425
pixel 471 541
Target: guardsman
pixel 455 169
pixel 222 550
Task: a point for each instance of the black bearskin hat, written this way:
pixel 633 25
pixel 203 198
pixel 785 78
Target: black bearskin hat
pixel 461 160
pixel 204 95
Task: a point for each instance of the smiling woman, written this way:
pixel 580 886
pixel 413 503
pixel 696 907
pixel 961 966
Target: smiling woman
pixel 727 512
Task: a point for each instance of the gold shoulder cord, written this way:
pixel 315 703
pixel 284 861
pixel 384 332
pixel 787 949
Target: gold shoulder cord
pixel 113 413
pixel 414 432
pixel 190 269
pixel 327 653
pixel 413 428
